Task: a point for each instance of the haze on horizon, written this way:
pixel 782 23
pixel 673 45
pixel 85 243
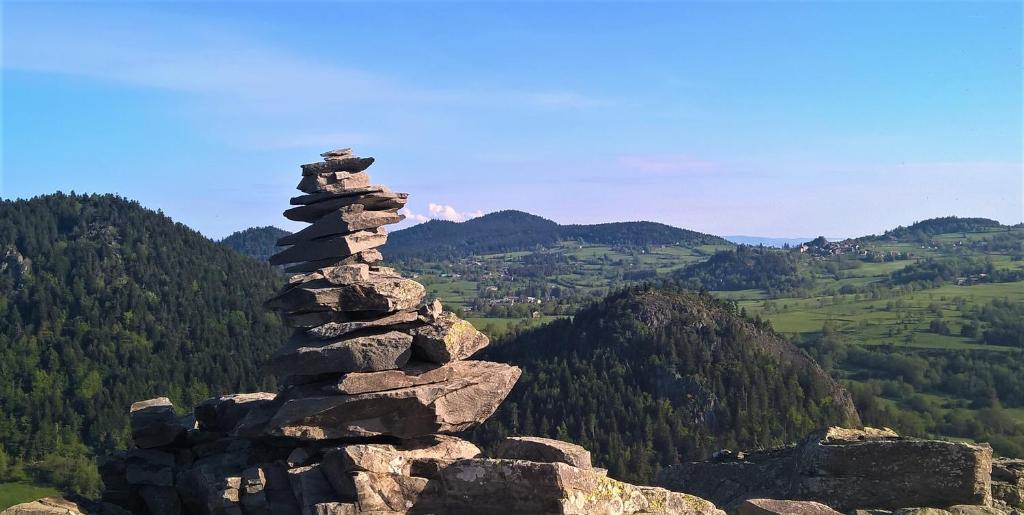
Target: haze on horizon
pixel 773 119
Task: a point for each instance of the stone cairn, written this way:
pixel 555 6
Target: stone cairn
pixel 373 383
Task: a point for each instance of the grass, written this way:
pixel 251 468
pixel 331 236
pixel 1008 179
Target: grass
pixel 17 493
pixel 494 327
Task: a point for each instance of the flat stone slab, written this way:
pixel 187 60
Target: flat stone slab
pixel 375 201
pixel 346 220
pixel 343 164
pixel 331 330
pixel 333 182
pixel 449 406
pixel 413 374
pixel 380 293
pixel 304 356
pixel 545 450
pixel 332 247
pixel 367 256
pixel 222 414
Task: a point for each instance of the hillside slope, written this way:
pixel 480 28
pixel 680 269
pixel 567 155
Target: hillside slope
pixel 648 377
pixel 104 302
pixel 256 242
pixel 507 231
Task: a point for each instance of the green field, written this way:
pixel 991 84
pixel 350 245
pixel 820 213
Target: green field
pixel 17 493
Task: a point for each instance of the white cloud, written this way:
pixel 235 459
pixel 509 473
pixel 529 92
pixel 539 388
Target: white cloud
pixel 440 212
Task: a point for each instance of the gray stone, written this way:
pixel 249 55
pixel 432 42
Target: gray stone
pixel 846 470
pixel 544 450
pixel 333 182
pixel 307 357
pixel 338 164
pixel 510 486
pixel 310 486
pixel 332 247
pixel 331 330
pixel 154 423
pixel 783 507
pixel 367 256
pixel 336 192
pixel 343 221
pixel 222 414
pixel 447 338
pixel 380 294
pixel 450 406
pixel 412 374
pixel 383 200
pixel 150 467
pixel 46 506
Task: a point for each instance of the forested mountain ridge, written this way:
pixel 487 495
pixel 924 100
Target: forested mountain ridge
pixel 105 302
pixel 651 376
pixel 256 242
pixel 506 231
pixel 939 225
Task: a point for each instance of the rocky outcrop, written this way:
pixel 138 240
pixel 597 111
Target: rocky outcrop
pixel 373 380
pixel 783 507
pixel 846 470
pixel 1008 484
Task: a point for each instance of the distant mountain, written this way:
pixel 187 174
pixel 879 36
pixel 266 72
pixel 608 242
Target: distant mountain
pixel 104 302
pixel 943 225
pixel 767 241
pixel 649 377
pixel 506 231
pixel 256 242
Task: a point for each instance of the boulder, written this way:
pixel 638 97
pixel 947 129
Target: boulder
pixel 1008 483
pixel 544 450
pixel 780 507
pixel 367 256
pixel 392 492
pixel 887 472
pixel 340 463
pixel 150 467
pixel 447 338
pixel 332 182
pixel 305 356
pixel 454 405
pixel 846 470
pixel 381 200
pixel 155 423
pixel 222 414
pixel 310 486
pixel 343 221
pixel 510 486
pixel 379 294
pixel 339 246
pixel 46 506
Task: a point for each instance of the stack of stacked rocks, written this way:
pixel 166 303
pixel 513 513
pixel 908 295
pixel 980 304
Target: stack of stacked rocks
pixel 374 382
pixel 368 359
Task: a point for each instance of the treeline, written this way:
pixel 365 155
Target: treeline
pixel 105 303
pixel 649 377
pixel 921 231
pixel 748 267
pixel 897 388
pixel 969 269
pixel 507 231
pixel 256 242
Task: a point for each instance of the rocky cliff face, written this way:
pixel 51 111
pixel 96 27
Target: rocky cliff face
pixel 374 380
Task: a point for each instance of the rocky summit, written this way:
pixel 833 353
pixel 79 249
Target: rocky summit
pixel 374 380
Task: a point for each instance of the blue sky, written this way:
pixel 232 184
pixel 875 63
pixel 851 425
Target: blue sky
pixel 778 119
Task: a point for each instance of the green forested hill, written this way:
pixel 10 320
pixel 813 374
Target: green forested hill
pixel 257 242
pixel 651 376
pixel 103 303
pixel 506 231
pixel 745 268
